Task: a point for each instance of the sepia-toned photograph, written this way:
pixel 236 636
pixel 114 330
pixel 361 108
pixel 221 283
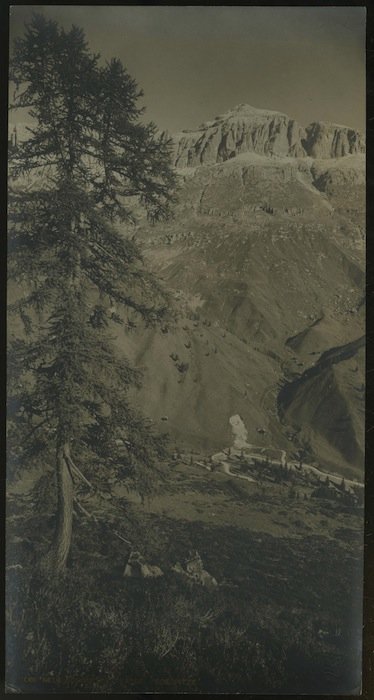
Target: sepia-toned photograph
pixel 186 349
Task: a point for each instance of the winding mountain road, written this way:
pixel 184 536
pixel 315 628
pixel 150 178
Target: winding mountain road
pixel 242 448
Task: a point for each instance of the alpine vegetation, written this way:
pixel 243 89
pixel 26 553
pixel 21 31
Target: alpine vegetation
pixel 87 156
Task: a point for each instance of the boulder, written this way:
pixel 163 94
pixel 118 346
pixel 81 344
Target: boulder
pixel 195 571
pixel 137 567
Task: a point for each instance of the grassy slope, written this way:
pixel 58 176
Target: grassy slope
pixel 284 618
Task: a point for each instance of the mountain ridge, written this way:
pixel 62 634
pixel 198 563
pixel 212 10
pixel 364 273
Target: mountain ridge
pixel 246 129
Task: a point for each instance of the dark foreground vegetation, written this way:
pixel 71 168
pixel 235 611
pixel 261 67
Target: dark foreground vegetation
pixel 285 617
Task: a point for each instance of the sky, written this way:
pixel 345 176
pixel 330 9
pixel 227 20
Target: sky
pixel 195 62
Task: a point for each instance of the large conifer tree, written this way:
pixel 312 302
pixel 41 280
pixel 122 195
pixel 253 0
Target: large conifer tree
pixel 71 181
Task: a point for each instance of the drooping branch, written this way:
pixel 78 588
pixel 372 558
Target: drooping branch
pixel 77 471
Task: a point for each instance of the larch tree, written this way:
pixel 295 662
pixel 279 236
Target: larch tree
pixel 87 156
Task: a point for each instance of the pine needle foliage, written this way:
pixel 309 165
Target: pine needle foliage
pixel 74 182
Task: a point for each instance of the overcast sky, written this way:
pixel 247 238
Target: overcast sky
pixel 196 62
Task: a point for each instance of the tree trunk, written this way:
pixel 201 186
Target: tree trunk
pixel 55 560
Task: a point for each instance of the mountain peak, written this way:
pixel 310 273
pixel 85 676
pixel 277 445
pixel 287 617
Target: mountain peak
pixel 244 112
pixel 247 129
pixel 247 110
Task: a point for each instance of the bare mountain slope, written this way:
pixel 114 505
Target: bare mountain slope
pixel 266 258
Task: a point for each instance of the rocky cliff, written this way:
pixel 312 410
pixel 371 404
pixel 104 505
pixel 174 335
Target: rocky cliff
pixel 246 129
pixel 332 141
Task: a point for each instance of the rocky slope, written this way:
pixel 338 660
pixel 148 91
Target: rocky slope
pixel 265 256
pixel 246 129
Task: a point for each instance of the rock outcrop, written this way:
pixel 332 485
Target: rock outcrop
pixel 195 571
pixel 246 129
pixel 241 130
pixel 137 567
pixel 332 141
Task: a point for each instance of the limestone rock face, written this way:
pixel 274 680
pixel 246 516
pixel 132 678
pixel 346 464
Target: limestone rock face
pixel 241 130
pixel 246 129
pixel 332 141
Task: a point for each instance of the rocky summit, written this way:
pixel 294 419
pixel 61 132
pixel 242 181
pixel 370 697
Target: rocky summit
pixel 265 259
pixel 246 129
